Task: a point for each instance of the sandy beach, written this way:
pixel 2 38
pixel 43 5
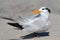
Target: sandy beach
pixel 14 8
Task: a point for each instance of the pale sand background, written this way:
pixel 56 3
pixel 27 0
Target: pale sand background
pixel 13 8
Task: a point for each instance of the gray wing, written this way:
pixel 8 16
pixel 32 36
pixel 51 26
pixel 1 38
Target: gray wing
pixel 36 25
pixel 27 19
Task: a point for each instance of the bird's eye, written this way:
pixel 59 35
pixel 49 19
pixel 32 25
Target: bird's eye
pixel 42 9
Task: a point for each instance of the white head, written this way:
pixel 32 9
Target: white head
pixel 45 9
pixel 42 9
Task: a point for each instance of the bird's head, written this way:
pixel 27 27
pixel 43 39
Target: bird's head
pixel 42 9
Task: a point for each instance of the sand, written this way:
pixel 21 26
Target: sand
pixel 13 8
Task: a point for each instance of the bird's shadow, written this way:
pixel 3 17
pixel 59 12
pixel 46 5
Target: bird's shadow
pixel 32 35
pixel 16 39
pixel 29 36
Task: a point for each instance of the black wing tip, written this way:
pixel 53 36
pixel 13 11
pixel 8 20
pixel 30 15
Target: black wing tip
pixel 16 25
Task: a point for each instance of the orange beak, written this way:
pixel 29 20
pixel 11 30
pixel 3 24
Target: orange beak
pixel 36 11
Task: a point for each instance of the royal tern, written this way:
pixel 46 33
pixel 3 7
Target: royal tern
pixel 39 22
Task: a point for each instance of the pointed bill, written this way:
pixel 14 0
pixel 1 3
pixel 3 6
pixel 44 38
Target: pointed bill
pixel 36 11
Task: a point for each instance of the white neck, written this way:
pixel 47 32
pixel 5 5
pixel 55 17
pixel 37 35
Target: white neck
pixel 45 15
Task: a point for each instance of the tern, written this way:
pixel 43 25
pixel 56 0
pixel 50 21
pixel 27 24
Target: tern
pixel 37 23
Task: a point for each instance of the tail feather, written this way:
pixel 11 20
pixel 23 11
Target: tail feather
pixel 21 20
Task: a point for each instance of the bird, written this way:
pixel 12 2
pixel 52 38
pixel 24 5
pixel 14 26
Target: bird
pixel 37 23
